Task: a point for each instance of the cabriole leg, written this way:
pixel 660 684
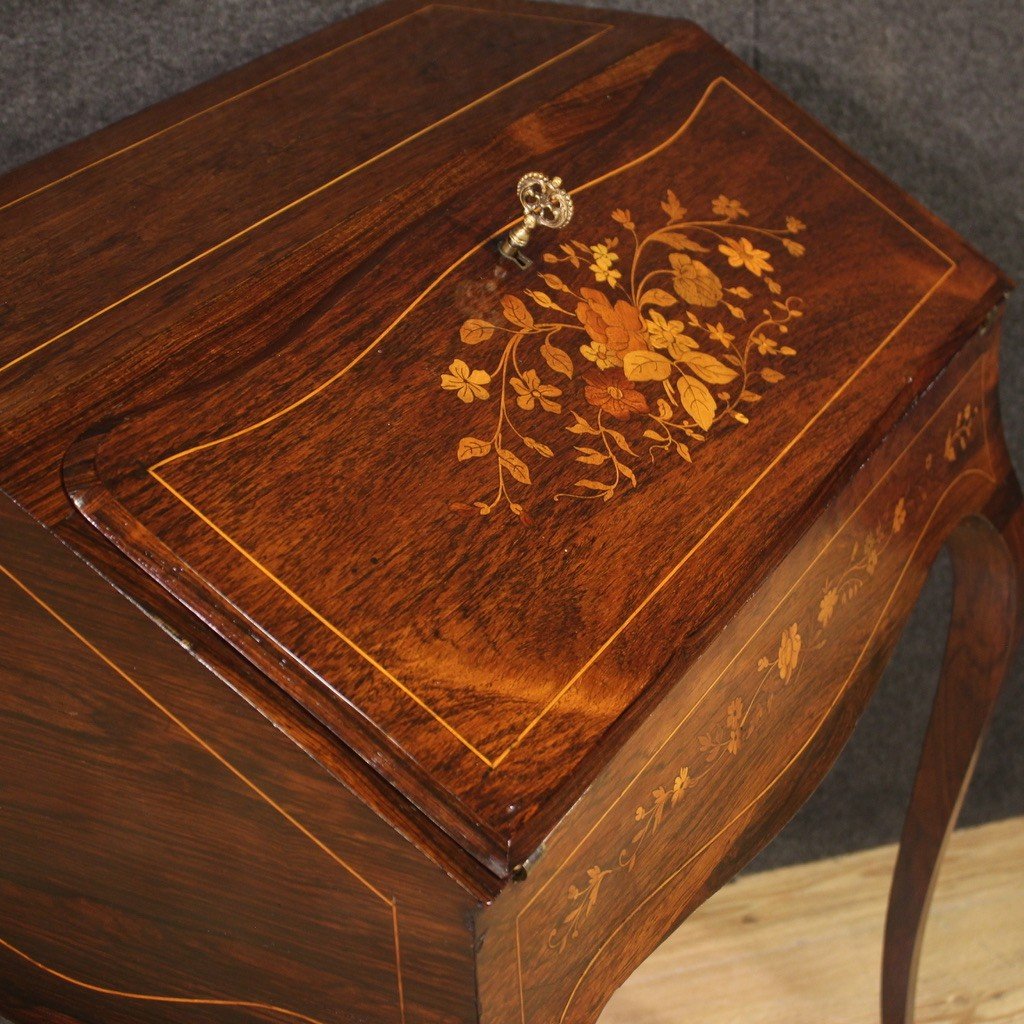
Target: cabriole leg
pixel 986 623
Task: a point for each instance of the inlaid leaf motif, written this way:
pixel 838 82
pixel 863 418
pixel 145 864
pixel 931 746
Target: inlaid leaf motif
pixel 645 365
pixel 539 447
pixel 581 426
pixel 558 359
pixel 542 299
pixel 516 312
pixel 673 207
pixel 514 465
pixel 656 297
pixel 595 485
pixel 697 401
pixel 473 448
pixel 660 334
pixel 707 367
pixel 738 721
pixel 620 441
pixel 590 456
pixel 677 240
pixel 695 282
pixel 476 332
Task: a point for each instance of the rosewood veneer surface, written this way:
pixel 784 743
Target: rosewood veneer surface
pixel 519 607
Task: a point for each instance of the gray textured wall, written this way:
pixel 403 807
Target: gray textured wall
pixel 930 91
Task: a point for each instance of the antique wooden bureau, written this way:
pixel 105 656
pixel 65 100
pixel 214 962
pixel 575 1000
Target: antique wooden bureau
pixel 403 619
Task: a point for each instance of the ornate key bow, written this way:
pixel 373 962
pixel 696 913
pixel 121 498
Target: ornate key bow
pixel 544 203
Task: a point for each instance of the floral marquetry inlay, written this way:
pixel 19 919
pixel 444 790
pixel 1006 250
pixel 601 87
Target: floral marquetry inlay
pixel 717 749
pixel 635 346
pixel 825 615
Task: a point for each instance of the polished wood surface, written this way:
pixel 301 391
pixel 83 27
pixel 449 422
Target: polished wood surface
pixel 500 706
pixel 56 385
pixel 986 616
pixel 252 158
pixel 706 781
pixel 800 945
pixel 167 851
pixel 327 691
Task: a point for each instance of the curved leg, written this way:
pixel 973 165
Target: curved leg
pixel 985 627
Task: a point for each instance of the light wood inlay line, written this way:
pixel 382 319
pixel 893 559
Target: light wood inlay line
pixel 210 109
pixel 493 762
pixel 954 395
pixel 141 997
pixel 260 793
pixel 311 194
pixel 326 55
pixel 796 757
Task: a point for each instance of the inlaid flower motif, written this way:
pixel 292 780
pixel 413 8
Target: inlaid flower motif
pixel 681 784
pixel 899 515
pixel 667 334
pixel 623 217
pixel 662 329
pixel 530 391
pixel 606 274
pixel 718 333
pixel 466 383
pixel 731 209
pixel 741 717
pixel 789 651
pixel 795 226
pixel 734 720
pixel 741 252
pixel 581 903
pixel 603 256
pixel 599 353
pixel 617 326
pixel 960 433
pixel 612 392
pixel 870 554
pixel 828 606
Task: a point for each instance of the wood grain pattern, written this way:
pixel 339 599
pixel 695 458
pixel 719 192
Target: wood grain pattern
pixel 328 99
pixel 486 705
pixel 313 739
pixel 157 808
pixel 708 779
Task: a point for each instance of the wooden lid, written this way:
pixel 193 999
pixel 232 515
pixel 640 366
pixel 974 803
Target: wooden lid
pixel 476 517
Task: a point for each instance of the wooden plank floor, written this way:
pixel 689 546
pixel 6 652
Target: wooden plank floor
pixel 801 945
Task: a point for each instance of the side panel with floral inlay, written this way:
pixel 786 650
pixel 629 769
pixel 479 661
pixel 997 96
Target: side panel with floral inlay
pixel 775 699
